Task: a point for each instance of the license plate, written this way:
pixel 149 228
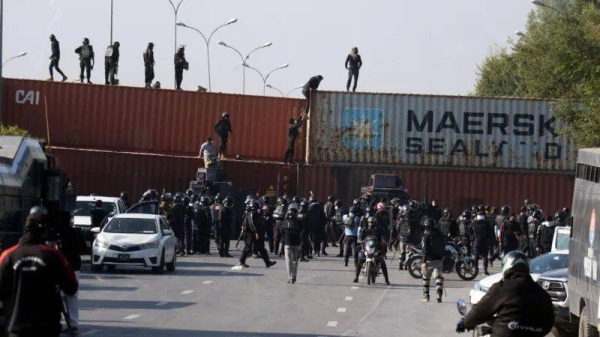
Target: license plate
pixel 123 257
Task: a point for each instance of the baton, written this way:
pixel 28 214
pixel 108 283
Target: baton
pixel 239 239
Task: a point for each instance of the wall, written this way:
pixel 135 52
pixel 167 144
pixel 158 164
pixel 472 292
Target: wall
pixel 148 120
pixel 438 131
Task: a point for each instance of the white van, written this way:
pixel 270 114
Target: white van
pixel 84 204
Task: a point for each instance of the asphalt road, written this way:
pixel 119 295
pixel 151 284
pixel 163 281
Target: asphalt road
pixel 205 297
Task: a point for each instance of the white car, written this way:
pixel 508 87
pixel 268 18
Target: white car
pixel 552 261
pixel 84 204
pixel 135 240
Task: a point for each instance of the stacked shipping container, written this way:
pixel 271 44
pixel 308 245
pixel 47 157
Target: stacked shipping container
pixel 470 150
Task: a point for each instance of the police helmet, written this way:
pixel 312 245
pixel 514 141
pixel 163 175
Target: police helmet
pixel 560 216
pixel 467 214
pixel 86 40
pixel 330 198
pixel 228 201
pixel 282 201
pixel 292 213
pixel 225 115
pixel 265 199
pixel 428 223
pixel 505 210
pixel 370 210
pixel 296 200
pixel 218 198
pixel 166 197
pixel 394 201
pixel 254 205
pixel 566 210
pixel 356 202
pixel 353 210
pixel 372 220
pixel 194 197
pixel 527 202
pixel 189 192
pixel 515 260
pixel 537 214
pixel 38 211
pixel 98 203
pixel 312 199
pixel 186 201
pixel 303 205
pixel 124 195
pixel 339 203
pixel 447 211
pixel 480 208
pixel 204 200
pixel 177 200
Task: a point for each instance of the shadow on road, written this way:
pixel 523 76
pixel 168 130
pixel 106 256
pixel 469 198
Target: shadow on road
pixel 116 304
pixel 187 264
pixel 137 331
pixel 87 287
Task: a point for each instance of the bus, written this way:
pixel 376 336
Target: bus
pixel 584 246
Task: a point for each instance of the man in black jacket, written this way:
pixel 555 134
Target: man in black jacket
pixel 55 58
pixel 292 135
pixel 517 305
pixel 312 84
pixel 223 129
pixel 353 64
pixel 29 275
pixel 149 65
pixel 434 245
pixel 254 232
pixel 480 238
pixel 111 63
pixel 227 222
pixel 316 223
pixel 380 234
pixel 292 240
pixel 180 64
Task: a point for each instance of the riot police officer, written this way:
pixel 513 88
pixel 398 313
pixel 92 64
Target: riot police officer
pixel 223 130
pixel 254 232
pixel 447 225
pixel 215 214
pixel 125 198
pixel 267 214
pixel 464 222
pixel 203 221
pixel 531 234
pixel 305 234
pixel 351 223
pixel 480 232
pixel 338 225
pixel 373 230
pixel 434 248
pixel 178 216
pixel 509 234
pixel 408 231
pixel 292 239
pixel 227 222
pixel 279 216
pixel 317 221
pixel 329 209
pixel 546 235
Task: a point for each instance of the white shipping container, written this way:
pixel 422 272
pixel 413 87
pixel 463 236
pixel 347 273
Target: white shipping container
pixel 451 131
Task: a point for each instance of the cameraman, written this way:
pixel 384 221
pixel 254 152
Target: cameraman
pixel 29 275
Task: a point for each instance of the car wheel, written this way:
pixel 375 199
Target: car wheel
pixel 111 267
pixel 585 329
pixel 161 266
pixel 97 268
pixel 171 265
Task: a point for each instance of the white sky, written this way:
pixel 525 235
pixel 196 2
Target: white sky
pixel 408 46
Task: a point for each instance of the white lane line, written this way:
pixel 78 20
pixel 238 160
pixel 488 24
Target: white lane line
pixel 161 304
pixel 348 298
pixel 91 332
pixel 207 282
pixel 186 292
pixel 341 310
pixel 354 288
pixel 332 324
pixel 130 317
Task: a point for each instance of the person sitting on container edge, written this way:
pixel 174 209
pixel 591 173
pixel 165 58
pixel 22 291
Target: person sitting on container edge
pixel 312 84
pixel 208 151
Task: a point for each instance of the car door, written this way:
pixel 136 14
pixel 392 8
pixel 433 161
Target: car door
pixel 168 240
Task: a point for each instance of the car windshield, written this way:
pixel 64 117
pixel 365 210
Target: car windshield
pixel 562 240
pixel 83 208
pixel 548 262
pixel 131 226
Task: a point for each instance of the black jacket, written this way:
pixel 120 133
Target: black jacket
pixel 29 275
pixel 313 84
pixel 448 227
pixel 227 220
pixel 149 58
pixel 292 232
pixel 434 245
pixel 223 127
pixel 353 63
pixel 522 307
pixel 55 46
pixel 71 244
pixel 180 61
pixel 316 217
pixel 293 130
pixel 98 216
pixel 202 219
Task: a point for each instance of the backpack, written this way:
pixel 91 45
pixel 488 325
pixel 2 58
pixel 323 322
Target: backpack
pixel 279 211
pixel 109 51
pixel 86 52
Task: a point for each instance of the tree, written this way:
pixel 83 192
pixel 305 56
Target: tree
pixel 13 130
pixel 498 75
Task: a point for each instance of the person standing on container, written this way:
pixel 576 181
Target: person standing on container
pixel 292 135
pixel 312 84
pixel 223 129
pixel 86 59
pixel 149 64
pixel 180 65
pixel 55 57
pixel 111 63
pixel 353 64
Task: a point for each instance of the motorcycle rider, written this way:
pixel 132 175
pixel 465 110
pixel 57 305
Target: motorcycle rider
pixel 351 222
pixel 408 231
pixel 384 218
pixel 279 216
pixel 317 222
pixel 447 225
pixel 254 232
pixel 516 305
pixel 531 233
pixel 292 240
pixel 380 234
pixel 305 233
pixel 546 235
pixel 434 249
pixel 227 222
pixel 480 231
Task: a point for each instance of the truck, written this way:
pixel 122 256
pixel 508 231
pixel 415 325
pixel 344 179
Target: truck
pixel 386 186
pixel 584 245
pixel 29 177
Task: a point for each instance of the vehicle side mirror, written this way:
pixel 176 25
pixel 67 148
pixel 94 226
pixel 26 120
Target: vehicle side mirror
pixel 462 307
pixel 95 230
pixel 167 232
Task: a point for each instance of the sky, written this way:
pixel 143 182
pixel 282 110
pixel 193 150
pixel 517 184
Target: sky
pixel 407 46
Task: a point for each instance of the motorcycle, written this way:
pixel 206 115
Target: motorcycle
pixel 455 259
pixel 373 261
pixel 480 331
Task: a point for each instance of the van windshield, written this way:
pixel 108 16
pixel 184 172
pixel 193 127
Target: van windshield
pixel 83 208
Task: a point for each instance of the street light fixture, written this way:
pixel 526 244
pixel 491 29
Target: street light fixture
pixel 542 4
pixel 272 87
pixel 207 41
pixel 175 11
pixel 268 44
pixel 264 78
pixel 294 89
pixel 21 54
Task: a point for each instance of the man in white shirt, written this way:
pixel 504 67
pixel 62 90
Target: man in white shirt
pixel 208 151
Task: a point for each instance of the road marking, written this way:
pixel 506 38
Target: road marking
pixel 332 324
pixel 207 282
pixel 130 317
pixel 91 332
pixel 186 292
pixel 225 273
pixel 354 288
pixel 160 304
pixel 360 277
pixel 341 310
pixel 348 298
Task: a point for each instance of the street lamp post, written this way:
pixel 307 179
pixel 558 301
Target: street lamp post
pixel 294 89
pixel 272 87
pixel 542 4
pixel 175 11
pixel 265 78
pixel 207 41
pixel 268 44
pixel 21 54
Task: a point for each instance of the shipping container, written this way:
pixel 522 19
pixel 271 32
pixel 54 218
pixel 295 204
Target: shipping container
pixel 452 188
pixel 109 173
pixel 437 131
pixel 143 120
